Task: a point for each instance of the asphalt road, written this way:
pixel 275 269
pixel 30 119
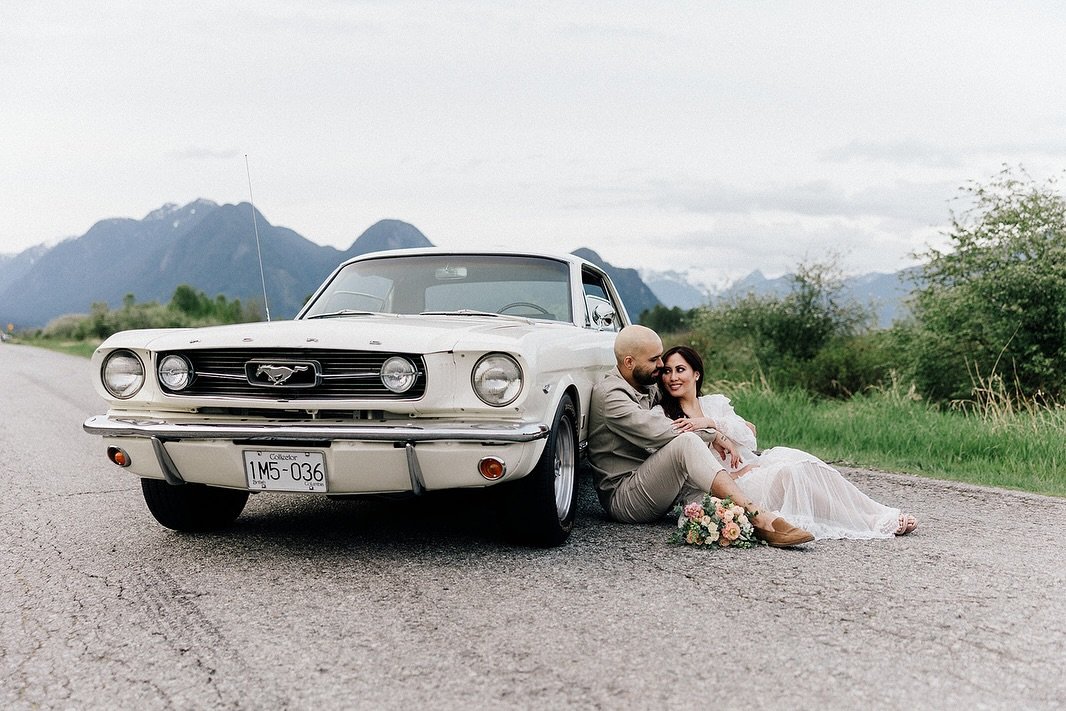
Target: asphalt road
pixel 311 603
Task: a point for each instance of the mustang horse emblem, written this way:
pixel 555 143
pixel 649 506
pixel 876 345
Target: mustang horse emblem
pixel 278 374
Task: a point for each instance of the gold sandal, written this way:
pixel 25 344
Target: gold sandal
pixel 907 523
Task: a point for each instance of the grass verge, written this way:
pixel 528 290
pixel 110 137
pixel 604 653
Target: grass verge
pixel 78 348
pixel 1024 450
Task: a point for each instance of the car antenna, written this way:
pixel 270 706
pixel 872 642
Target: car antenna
pixel 258 249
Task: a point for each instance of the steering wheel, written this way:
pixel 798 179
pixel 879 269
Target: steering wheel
pixel 528 305
pixel 345 292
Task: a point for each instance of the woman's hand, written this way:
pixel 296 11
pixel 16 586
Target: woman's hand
pixel 692 424
pixel 742 471
pixel 727 450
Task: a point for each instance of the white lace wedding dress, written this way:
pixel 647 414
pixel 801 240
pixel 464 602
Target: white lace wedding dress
pixel 805 490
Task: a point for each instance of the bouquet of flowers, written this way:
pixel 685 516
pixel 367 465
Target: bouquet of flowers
pixel 714 522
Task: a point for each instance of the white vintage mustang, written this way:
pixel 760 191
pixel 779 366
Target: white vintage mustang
pixel 406 371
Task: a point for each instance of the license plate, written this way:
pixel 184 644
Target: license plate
pixel 276 470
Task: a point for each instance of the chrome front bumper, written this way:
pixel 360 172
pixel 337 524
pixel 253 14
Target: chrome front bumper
pixel 406 435
pixel 495 432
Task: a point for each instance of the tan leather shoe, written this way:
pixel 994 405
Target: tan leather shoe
pixel 784 534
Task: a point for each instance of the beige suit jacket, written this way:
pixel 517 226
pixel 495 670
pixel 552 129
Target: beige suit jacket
pixel 623 431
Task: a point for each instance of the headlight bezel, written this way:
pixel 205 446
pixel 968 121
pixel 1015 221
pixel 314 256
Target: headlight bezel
pixel 110 377
pixel 408 375
pixel 189 372
pixel 503 367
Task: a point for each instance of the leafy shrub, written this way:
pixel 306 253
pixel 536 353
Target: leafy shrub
pixel 666 320
pixel 811 337
pixel 847 366
pixel 70 327
pixel 993 305
pixel 188 307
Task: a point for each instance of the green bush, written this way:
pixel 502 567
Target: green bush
pixel 811 337
pixel 666 320
pixel 992 307
pixel 188 307
pixel 848 366
pixel 70 327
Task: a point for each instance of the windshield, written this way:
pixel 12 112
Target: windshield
pixel 531 287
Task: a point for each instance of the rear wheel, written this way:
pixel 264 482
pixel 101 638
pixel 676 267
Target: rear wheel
pixel 192 508
pixel 539 508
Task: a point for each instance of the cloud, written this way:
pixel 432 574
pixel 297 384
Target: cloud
pixel 203 153
pixel 921 154
pixel 897 152
pixel 916 203
pixel 738 245
pixel 1049 146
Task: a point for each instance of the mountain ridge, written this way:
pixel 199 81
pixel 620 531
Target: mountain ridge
pixel 212 248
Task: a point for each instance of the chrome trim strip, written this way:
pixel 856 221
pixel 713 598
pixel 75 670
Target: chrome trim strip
pixel 170 470
pixel 354 375
pixel 428 431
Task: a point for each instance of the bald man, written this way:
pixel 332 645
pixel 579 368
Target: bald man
pixel 641 464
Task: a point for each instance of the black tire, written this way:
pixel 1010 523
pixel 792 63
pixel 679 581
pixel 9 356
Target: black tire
pixel 192 508
pixel 539 509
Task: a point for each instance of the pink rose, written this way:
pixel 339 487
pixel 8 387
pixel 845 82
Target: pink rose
pixel 724 542
pixel 694 511
pixel 719 511
pixel 731 531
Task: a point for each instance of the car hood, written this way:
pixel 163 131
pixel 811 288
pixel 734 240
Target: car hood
pixel 395 333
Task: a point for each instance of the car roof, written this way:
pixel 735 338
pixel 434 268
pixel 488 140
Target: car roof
pixel 439 251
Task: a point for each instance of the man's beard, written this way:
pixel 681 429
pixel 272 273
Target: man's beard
pixel 646 377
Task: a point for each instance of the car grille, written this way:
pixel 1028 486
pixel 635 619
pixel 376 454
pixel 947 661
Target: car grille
pixel 341 374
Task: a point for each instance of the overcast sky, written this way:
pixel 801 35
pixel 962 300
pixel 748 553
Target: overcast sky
pixel 712 137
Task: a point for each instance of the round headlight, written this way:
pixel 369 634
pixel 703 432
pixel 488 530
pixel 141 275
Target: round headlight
pixel 123 374
pixel 175 372
pixel 497 379
pixel 398 374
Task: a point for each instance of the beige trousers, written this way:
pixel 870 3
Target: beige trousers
pixel 681 471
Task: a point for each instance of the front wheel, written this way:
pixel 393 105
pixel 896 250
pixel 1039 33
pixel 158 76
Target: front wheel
pixel 539 508
pixel 192 508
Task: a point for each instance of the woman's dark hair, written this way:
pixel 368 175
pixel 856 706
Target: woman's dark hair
pixel 670 404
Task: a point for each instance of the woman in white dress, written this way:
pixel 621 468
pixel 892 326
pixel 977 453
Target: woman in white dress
pixel 797 485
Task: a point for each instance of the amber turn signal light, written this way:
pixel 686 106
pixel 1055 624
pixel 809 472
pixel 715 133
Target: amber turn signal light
pixel 491 468
pixel 119 456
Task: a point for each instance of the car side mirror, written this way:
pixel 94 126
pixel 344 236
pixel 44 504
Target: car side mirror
pixel 604 317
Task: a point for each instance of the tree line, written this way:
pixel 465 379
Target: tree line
pixel 987 314
pixel 187 307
